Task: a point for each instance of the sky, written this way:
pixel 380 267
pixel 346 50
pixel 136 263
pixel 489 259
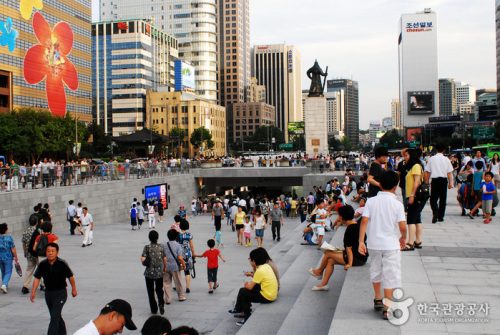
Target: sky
pixel 357 39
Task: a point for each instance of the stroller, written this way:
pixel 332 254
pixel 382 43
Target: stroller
pixel 466 196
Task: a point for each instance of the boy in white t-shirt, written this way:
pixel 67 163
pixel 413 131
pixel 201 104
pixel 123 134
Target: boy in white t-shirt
pixel 384 223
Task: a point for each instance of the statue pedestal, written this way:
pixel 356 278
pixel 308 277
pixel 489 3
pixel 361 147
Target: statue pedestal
pixel 316 126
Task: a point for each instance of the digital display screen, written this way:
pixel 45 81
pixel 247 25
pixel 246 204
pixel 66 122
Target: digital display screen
pixel 421 102
pixel 157 193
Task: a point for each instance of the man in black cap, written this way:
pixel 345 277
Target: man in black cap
pixel 113 317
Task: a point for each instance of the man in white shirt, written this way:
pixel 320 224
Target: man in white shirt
pixel 111 320
pixel 243 203
pixel 478 158
pixel 384 223
pixel 440 171
pixel 70 216
pixel 87 223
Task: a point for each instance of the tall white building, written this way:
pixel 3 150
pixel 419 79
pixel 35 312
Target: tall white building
pixel 192 22
pixel 466 94
pixel 334 110
pixel 396 114
pixel 418 68
pixel 374 129
pixel 277 67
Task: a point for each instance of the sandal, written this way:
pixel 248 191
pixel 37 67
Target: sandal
pixel 417 245
pixel 385 313
pixel 378 305
pixel 408 247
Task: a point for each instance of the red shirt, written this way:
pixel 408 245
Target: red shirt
pixel 50 237
pixel 212 256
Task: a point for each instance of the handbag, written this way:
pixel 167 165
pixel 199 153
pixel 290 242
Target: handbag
pixel 147 260
pixel 19 270
pixel 423 193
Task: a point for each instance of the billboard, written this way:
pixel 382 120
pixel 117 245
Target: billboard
pixel 157 193
pixel 184 76
pixel 413 134
pixel 420 102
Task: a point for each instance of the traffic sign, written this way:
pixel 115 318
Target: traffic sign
pixel 482 133
pixel 286 146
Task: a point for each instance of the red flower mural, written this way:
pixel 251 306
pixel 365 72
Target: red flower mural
pixel 49 61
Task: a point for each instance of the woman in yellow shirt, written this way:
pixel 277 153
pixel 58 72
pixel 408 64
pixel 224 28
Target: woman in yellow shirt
pixel 414 208
pixel 262 289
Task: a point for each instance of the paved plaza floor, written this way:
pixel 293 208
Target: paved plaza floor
pixel 460 263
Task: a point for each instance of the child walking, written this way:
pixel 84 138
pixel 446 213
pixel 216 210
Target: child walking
pixel 247 231
pixel 212 255
pixel 384 222
pixel 133 216
pixel 259 224
pixel 489 189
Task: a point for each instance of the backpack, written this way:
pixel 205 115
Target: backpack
pixel 41 247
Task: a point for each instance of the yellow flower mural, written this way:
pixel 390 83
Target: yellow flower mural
pixel 26 7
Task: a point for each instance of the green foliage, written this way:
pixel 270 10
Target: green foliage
pixel 178 133
pixel 392 139
pixel 27 134
pixel 101 143
pixel 261 140
pixel 202 136
pixel 334 144
pixel 346 143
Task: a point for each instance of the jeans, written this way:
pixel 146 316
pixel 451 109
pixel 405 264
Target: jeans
pixel 308 237
pixel 303 217
pixel 439 191
pixel 152 286
pixel 6 269
pixel 55 301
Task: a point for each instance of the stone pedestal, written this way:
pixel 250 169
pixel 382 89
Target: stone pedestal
pixel 316 127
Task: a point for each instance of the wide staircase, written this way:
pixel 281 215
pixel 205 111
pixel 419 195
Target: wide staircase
pixel 298 310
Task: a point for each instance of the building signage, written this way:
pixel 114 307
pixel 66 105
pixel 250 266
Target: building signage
pixel 483 133
pixel 450 118
pixel 418 27
pixel 290 61
pixel 420 102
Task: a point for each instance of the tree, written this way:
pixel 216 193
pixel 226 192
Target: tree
pixel 261 140
pixel 392 139
pixel 100 141
pixel 333 143
pixel 346 143
pixel 201 136
pixel 179 135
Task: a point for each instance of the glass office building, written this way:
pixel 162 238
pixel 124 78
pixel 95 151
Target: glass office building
pixel 15 91
pixel 129 57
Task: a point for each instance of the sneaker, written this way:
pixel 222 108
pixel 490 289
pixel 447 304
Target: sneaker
pixel 241 322
pixel 210 291
pixel 83 245
pixel 4 288
pixel 25 290
pixel 320 288
pixel 188 290
pixel 233 311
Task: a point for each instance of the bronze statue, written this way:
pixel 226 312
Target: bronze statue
pixel 315 73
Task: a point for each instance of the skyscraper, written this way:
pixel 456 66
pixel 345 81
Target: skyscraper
pixel 277 67
pixel 192 22
pixel 418 68
pixel 234 58
pixel 349 106
pixel 497 25
pixel 335 118
pixel 26 57
pixel 129 58
pixel 396 114
pixel 466 94
pixel 447 97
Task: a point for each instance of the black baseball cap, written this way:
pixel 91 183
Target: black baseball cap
pixel 122 307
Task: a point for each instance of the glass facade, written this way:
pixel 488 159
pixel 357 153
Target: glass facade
pixel 129 58
pixel 78 15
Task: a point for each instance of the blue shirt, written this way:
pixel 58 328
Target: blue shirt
pixel 6 245
pixel 182 213
pixel 478 178
pixel 489 188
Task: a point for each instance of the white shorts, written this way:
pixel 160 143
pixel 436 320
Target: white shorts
pixel 320 231
pixel 385 267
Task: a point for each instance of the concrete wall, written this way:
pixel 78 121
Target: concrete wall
pixel 108 203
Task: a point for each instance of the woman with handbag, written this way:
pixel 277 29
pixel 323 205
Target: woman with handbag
pixel 154 259
pixel 416 198
pixel 7 255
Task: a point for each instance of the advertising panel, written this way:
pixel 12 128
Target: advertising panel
pixel 296 128
pixel 184 76
pixel 420 102
pixel 413 134
pixel 157 193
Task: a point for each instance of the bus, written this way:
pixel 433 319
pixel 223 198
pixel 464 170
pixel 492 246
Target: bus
pixel 488 150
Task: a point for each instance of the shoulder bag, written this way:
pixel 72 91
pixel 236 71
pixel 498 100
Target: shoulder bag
pixel 147 260
pixel 172 253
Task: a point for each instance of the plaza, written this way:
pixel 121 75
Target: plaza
pixel 459 263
